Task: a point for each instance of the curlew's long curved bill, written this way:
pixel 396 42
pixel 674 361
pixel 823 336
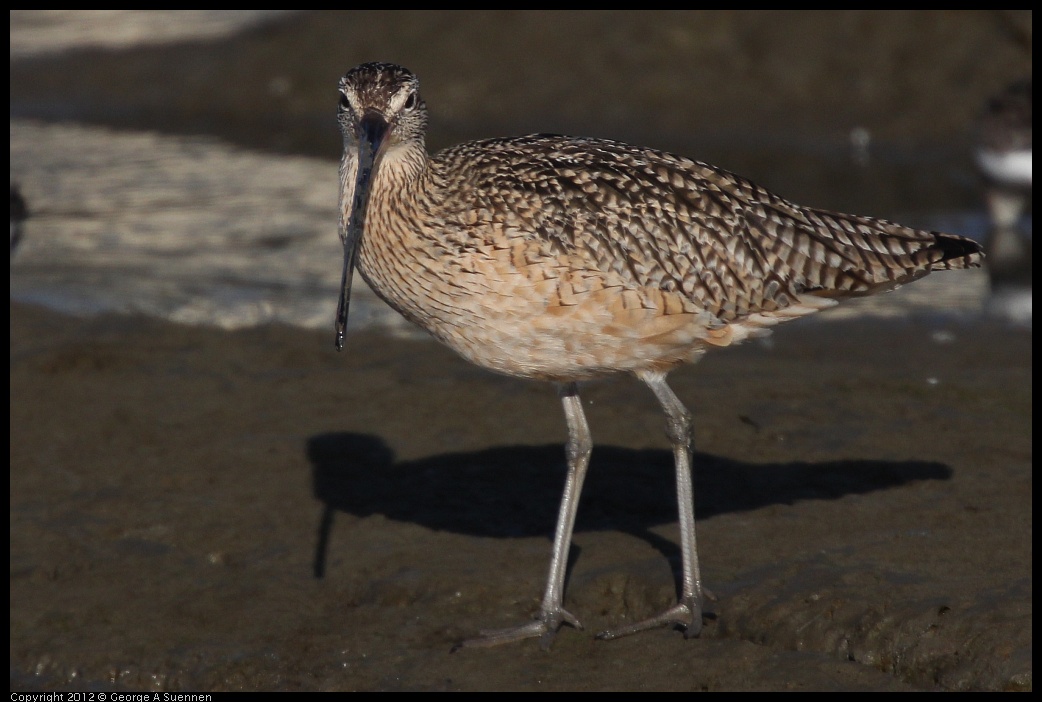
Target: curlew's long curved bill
pixel 372 129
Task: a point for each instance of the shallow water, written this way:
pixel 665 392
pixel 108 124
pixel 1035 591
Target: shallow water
pixel 200 230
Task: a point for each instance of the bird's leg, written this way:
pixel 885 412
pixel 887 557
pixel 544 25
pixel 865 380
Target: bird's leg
pixel 687 612
pixel 552 613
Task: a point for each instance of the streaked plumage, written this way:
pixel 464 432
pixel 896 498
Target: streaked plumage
pixel 564 258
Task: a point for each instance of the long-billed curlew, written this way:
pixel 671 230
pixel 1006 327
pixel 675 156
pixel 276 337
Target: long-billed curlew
pixel 563 259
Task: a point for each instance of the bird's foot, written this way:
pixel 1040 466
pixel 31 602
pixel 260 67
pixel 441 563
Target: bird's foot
pixel 545 627
pixel 686 614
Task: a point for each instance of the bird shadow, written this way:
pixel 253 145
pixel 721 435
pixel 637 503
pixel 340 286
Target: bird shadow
pixel 514 491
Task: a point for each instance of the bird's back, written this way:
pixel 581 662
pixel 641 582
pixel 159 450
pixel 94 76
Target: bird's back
pixel 569 257
pixel 661 221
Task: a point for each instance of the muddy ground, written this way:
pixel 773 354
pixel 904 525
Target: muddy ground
pixel 198 509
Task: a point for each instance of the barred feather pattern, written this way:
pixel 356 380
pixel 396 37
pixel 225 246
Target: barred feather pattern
pixel 565 258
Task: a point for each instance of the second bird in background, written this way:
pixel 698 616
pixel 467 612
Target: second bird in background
pixel 1002 151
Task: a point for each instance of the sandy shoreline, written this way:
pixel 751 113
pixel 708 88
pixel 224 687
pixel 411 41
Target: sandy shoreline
pixel 865 524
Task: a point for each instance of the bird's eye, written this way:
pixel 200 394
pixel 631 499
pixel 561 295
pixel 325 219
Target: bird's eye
pixel 410 102
pixel 345 104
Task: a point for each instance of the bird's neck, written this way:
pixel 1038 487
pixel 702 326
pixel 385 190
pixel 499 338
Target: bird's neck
pixel 402 175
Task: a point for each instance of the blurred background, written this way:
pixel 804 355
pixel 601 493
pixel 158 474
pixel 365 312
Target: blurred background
pixel 864 488
pixel 183 164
